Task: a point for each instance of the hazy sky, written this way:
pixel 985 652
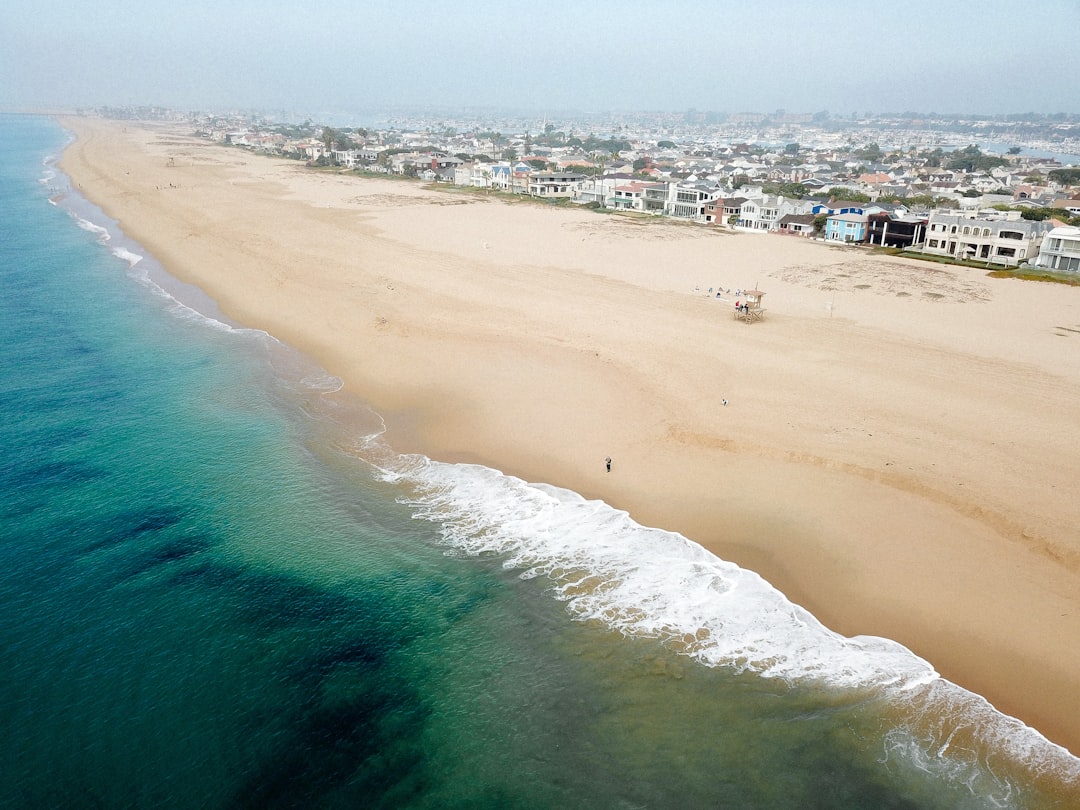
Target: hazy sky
pixel 988 56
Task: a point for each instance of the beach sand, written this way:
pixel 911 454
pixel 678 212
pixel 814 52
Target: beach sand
pixel 899 449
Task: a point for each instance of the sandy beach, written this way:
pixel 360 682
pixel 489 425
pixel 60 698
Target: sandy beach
pixel 898 451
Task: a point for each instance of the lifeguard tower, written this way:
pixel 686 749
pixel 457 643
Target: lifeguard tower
pixel 749 308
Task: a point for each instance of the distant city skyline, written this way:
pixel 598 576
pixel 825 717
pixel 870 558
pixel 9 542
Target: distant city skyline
pixel 989 57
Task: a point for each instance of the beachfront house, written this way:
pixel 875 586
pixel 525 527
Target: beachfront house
pixel 687 201
pixel 511 177
pixel 897 230
pixel 795 225
pixel 598 190
pixel 765 214
pixel 733 208
pixel 998 238
pixel 849 228
pixel 1060 250
pixel 554 184
pixel 630 196
pixel 655 198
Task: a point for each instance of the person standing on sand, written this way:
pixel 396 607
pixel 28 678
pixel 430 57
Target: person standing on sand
pixel 607 461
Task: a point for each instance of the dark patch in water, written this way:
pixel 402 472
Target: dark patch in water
pixel 47 474
pixel 146 560
pixel 129 526
pixel 360 752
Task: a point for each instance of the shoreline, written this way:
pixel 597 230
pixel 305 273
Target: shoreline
pixel 539 342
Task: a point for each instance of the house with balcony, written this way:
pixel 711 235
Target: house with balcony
pixel 1007 240
pixel 733 208
pixel 654 200
pixel 598 190
pixel 765 214
pixel 510 177
pixel 895 230
pixel 476 175
pixel 796 225
pixel 631 196
pixel 848 228
pixel 688 201
pixel 1060 250
pixel 554 184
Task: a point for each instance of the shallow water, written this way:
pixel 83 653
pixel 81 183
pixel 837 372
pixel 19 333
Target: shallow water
pixel 221 588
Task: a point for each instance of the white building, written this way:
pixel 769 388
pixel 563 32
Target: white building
pixel 688 201
pixel 1007 242
pixel 764 214
pixel 1060 250
pixel 555 184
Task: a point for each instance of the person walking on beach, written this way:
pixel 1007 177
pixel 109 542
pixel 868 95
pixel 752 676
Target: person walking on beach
pixel 607 461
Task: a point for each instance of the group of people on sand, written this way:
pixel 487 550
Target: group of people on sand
pixel 741 306
pixel 720 291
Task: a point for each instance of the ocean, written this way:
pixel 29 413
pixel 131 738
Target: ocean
pixel 221 588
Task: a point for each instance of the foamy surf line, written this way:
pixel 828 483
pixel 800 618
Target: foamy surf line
pixel 652 583
pixel 90 218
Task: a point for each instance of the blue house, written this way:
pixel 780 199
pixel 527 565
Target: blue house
pixel 840 207
pixel 846 228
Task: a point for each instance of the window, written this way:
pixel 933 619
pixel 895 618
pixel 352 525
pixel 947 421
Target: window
pixel 986 231
pixel 932 243
pixel 966 230
pixel 1003 251
pixel 1011 235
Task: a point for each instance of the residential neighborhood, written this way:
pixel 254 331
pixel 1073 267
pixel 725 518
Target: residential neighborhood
pixel 917 185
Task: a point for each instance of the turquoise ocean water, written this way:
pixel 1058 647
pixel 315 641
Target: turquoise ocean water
pixel 219 588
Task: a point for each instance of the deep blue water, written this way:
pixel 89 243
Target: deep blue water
pixel 216 592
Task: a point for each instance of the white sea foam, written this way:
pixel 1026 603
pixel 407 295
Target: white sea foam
pixel 653 583
pixel 102 233
pixel 128 256
pixel 323 382
pixel 648 582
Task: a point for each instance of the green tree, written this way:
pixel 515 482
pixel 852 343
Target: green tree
pixel 665 144
pixel 842 193
pixel 971 159
pixel 791 149
pixel 1066 177
pixel 871 152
